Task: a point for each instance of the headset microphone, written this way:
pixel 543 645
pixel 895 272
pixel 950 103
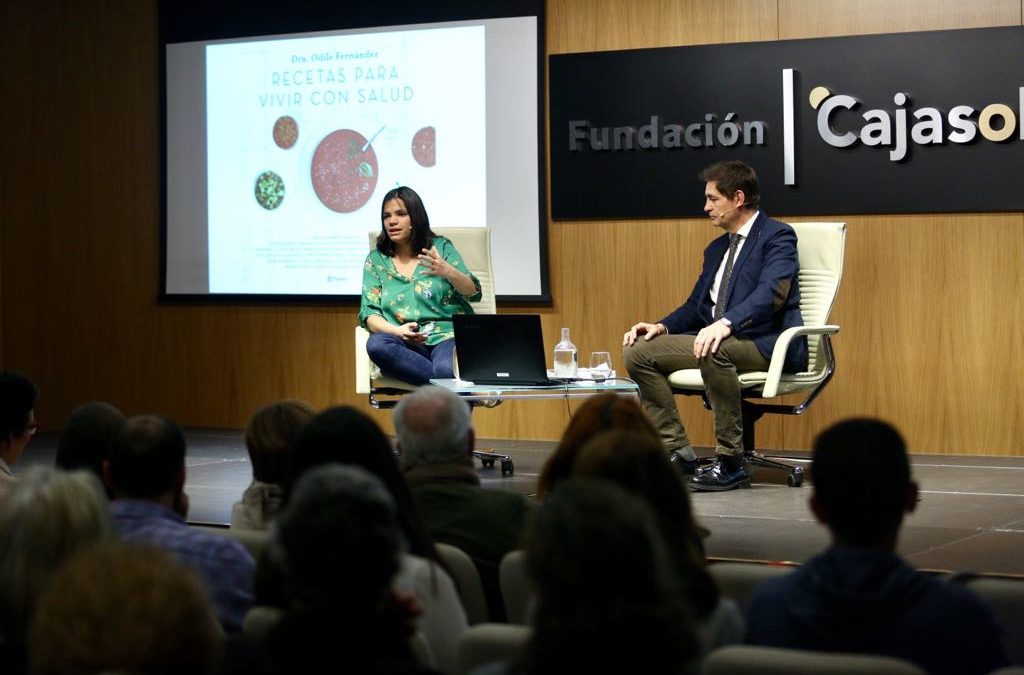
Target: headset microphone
pixel 725 213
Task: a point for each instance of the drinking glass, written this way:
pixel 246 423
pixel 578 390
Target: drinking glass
pixel 600 366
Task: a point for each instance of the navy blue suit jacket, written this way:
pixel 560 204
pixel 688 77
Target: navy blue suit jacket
pixel 764 292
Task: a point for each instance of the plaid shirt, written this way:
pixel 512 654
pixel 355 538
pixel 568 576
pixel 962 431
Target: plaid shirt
pixel 224 565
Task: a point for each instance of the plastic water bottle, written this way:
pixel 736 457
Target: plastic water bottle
pixel 566 359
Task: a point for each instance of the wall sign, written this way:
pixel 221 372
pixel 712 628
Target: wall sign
pixel 905 123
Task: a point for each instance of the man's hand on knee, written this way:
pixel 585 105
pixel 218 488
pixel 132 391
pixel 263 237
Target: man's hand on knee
pixel 649 331
pixel 709 338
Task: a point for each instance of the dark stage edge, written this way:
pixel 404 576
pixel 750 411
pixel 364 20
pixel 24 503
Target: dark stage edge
pixel 970 518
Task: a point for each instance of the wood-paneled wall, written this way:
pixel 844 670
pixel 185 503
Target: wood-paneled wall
pixel 930 306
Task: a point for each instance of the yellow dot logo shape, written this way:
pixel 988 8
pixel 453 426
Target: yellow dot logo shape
pixel 817 95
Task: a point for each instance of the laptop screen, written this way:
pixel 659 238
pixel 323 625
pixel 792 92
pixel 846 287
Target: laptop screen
pixel 500 348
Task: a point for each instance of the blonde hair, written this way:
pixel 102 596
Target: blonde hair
pixel 124 608
pixel 45 517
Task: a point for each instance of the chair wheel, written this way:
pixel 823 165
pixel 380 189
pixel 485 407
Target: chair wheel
pixel 507 467
pixel 795 479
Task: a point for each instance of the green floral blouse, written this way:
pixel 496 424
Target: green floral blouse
pixel 424 297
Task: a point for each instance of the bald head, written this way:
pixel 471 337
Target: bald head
pixel 433 427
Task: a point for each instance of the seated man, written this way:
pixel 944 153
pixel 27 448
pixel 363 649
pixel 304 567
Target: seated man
pixel 435 438
pixel 146 471
pixel 746 295
pixel 859 596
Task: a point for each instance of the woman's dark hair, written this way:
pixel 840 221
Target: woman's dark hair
pixel 18 396
pixel 344 435
pixel 598 414
pixel 638 463
pixel 270 438
pixel 605 584
pixel 422 235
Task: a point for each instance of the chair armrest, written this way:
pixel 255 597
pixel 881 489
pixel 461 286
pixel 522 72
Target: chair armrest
pixel 771 384
pixel 362 361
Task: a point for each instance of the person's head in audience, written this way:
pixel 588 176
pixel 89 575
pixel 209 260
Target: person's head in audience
pixel 598 414
pixel 18 397
pixel 344 435
pixel 338 538
pixel 862 483
pixel 85 440
pixel 271 435
pixel 270 438
pixel 147 462
pixel 637 463
pixel 118 608
pixel 433 426
pixel 338 543
pixel 607 594
pixel 46 516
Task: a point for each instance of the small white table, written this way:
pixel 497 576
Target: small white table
pixel 494 394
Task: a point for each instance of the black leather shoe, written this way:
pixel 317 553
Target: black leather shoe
pixel 718 478
pixel 687 466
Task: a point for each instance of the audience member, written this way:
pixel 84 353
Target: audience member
pixel 18 424
pixel 608 596
pixel 344 435
pixel 600 413
pixel 339 543
pixel 638 463
pixel 146 470
pixel 436 439
pixel 116 608
pixel 46 517
pixel 86 437
pixel 270 439
pixel 859 595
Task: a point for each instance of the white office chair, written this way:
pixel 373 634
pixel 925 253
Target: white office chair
pixel 474 245
pixel 820 248
pixel 487 643
pixel 467 581
pixel 515 587
pixel 737 580
pixel 751 660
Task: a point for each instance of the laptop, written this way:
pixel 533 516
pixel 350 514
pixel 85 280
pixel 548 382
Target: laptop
pixel 501 349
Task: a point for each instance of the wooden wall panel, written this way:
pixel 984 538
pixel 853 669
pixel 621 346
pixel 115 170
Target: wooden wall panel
pixel 930 307
pixel 603 25
pixel 826 18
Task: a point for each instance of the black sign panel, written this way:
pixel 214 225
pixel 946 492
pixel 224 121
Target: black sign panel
pixel 907 123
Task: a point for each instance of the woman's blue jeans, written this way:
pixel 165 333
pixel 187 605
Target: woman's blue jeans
pixel 412 363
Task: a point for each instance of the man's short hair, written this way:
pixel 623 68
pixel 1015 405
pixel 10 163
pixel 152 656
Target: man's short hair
pixel 146 457
pixel 731 176
pixel 87 435
pixel 433 426
pixel 18 396
pixel 861 477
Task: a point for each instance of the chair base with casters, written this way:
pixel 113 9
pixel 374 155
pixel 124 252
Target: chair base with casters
pixel 820 248
pixel 752 411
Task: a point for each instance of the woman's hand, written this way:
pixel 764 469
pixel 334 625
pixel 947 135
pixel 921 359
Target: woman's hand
pixel 409 332
pixel 435 264
pixel 432 261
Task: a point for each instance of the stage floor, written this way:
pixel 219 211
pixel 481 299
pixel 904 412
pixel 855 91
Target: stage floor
pixel 971 514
